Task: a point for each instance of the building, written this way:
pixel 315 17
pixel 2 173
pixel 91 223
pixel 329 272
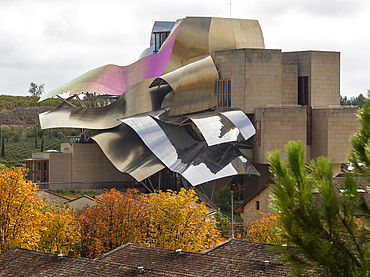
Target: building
pixel 204 110
pixel 258 202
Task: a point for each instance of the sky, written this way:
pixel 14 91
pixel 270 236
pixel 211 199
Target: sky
pixel 53 42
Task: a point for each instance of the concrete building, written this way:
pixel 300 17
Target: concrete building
pixel 289 96
pixel 286 95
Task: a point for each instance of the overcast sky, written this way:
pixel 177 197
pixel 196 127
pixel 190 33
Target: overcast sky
pixel 53 42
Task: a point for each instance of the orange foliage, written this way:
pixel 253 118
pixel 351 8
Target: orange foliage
pixel 20 214
pixel 115 220
pixel 261 229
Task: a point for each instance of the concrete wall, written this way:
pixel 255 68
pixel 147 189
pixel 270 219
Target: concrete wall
pixel 325 79
pixel 278 126
pixel 323 70
pixel 89 164
pixel 331 131
pixel 289 84
pixel 81 162
pixel 256 76
pixel 60 165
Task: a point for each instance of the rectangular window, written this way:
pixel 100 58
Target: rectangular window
pixel 38 171
pixel 223 88
pixel 258 132
pixel 303 94
pixel 159 39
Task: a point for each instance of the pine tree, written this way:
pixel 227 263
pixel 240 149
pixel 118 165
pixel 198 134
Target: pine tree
pixel 2 146
pixel 42 145
pixel 316 221
pixel 35 129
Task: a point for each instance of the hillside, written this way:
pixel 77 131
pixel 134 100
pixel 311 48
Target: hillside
pixel 23 111
pixel 20 128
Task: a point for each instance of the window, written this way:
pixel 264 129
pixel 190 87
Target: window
pixel 257 205
pixel 38 171
pixel 159 39
pixel 223 88
pixel 303 91
pixel 258 132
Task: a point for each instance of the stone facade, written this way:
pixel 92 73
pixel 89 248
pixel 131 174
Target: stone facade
pixel 250 209
pixel 278 126
pixel 81 162
pixel 331 131
pixel 268 85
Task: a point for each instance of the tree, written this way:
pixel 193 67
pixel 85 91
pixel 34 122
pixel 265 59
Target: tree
pixel 354 101
pixel 2 146
pixel 60 232
pixel 35 130
pixel 42 145
pixel 223 224
pixel 170 220
pixel 261 230
pixel 175 221
pixel 20 213
pixel 322 225
pixel 115 219
pixel 35 90
pixel 223 201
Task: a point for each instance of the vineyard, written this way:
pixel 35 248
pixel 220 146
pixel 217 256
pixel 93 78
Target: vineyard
pixel 20 132
pixel 9 102
pixel 20 144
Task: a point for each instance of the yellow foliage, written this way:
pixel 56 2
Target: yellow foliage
pixel 176 221
pixel 60 232
pixel 261 230
pixel 20 213
pixel 169 219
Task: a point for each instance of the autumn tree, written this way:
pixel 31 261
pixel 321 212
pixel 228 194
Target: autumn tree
pixel 114 220
pixel 20 212
pixel 60 232
pixel 262 230
pixel 174 220
pixel 170 220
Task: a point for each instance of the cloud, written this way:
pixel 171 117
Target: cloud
pixel 55 41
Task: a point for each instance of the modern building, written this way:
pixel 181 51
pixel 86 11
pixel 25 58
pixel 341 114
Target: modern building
pixel 204 109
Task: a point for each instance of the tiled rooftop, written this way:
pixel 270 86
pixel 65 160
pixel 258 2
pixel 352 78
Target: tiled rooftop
pixel 22 262
pixel 217 262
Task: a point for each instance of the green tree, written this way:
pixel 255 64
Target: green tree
pixel 42 145
pixel 35 130
pixel 2 146
pixel 316 219
pixel 223 201
pixel 222 224
pixel 354 101
pixel 36 90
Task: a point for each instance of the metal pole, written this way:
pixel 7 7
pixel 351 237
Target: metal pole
pixel 232 215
